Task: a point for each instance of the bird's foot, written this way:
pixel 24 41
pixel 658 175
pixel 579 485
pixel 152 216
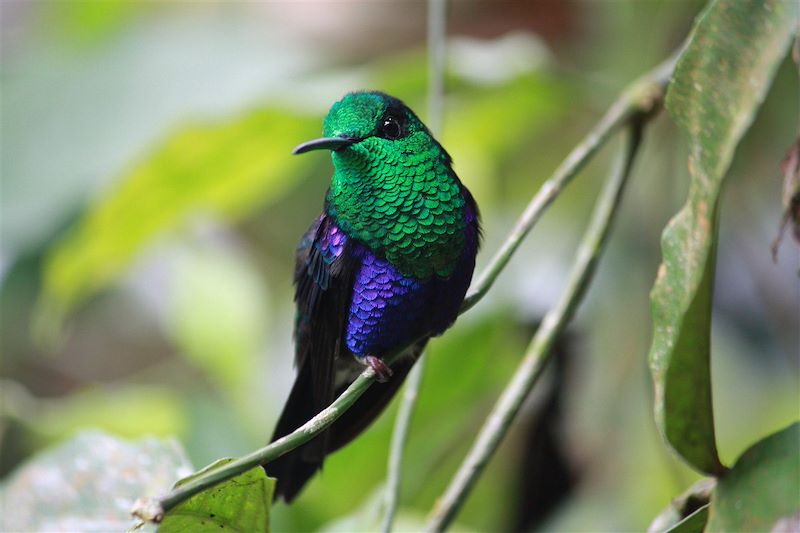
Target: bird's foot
pixel 382 370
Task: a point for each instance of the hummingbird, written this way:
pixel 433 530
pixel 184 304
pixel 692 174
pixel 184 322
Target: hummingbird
pixel 387 262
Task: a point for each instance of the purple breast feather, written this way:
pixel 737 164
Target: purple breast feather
pixel 388 309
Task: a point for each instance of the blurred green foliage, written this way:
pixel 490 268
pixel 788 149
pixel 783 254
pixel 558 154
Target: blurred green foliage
pixel 217 313
pixel 172 257
pixel 88 23
pixel 66 488
pixel 219 171
pixel 120 411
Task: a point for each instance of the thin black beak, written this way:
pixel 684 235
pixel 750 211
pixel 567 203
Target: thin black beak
pixel 325 143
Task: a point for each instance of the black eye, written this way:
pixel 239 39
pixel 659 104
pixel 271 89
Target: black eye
pixel 391 128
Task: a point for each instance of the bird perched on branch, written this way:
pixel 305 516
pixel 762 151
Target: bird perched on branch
pixel 389 260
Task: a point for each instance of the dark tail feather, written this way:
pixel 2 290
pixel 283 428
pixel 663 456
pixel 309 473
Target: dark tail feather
pixel 294 469
pixel 368 407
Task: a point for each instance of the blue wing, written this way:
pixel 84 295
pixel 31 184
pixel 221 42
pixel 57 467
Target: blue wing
pixel 324 273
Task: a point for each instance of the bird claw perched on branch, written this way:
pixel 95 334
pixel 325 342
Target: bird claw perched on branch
pixel 382 371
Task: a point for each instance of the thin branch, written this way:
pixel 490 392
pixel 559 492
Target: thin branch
pixel 437 55
pixel 153 510
pixel 539 351
pixel 642 96
pixel 399 439
pixel 437 24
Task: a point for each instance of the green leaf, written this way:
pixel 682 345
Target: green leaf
pixel 694 523
pixel 88 483
pixel 719 82
pixel 761 491
pixel 223 170
pixel 682 512
pixel 240 504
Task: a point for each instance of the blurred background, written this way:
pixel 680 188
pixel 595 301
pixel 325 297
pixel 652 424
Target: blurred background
pixel 151 206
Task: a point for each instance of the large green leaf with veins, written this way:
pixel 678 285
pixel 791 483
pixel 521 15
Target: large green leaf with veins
pixel 720 80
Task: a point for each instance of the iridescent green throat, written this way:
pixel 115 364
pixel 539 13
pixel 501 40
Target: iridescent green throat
pixel 403 200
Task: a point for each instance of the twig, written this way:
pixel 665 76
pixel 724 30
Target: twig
pixel 399 438
pixel 539 350
pixel 437 24
pixel 642 96
pixel 437 32
pixel 153 510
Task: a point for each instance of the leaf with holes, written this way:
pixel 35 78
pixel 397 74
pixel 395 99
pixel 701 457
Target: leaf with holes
pixel 240 504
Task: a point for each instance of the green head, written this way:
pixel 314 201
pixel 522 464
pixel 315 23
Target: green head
pixel 373 120
pixel 393 187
